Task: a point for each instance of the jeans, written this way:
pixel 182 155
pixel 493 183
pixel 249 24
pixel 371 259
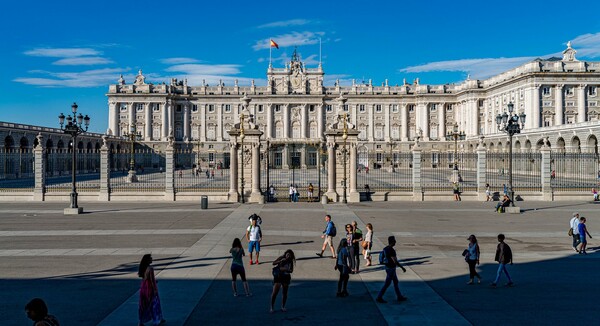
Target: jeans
pixel 576 240
pixel 389 278
pixel 343 280
pixel 502 268
pixel 472 270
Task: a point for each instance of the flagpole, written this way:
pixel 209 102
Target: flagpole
pixel 320 55
pixel 270 50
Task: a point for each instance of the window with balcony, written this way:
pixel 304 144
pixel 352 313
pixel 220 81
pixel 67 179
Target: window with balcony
pixel 260 108
pixel 377 107
pixel 546 91
pixel 211 108
pixel 361 108
pixel 228 108
pixel 592 90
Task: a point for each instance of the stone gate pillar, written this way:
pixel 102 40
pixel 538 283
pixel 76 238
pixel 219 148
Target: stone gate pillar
pixel 416 171
pixel 39 162
pixel 331 171
pixel 233 194
pixel 546 172
pixel 170 170
pixel 481 169
pixel 104 171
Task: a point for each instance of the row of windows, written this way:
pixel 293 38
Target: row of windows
pixel 570 90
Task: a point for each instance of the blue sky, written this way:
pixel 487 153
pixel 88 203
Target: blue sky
pixel 57 52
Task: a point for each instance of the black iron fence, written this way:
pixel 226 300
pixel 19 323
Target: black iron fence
pixel 149 171
pixel 201 172
pixel 526 172
pixel 439 174
pixel 384 172
pixel 16 169
pixel 59 170
pixel 574 171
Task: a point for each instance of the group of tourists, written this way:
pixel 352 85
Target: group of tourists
pixel 503 256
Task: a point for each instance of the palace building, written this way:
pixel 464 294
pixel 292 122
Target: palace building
pixel 558 95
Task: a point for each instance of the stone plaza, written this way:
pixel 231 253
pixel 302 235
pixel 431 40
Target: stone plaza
pixel 85 266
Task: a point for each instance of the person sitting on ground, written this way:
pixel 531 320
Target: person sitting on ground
pixel 503 204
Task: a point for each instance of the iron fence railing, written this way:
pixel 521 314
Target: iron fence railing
pixel 59 170
pixel 526 172
pixel 574 171
pixel 149 171
pixel 204 172
pixel 438 173
pixel 16 169
pixel 384 172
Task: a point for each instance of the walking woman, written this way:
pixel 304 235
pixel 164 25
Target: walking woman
pixel 472 259
pixel 357 238
pixel 368 244
pixel 349 240
pixel 284 266
pixel 237 267
pixel 149 307
pixel 342 265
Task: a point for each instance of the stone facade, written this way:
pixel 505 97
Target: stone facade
pixel 558 95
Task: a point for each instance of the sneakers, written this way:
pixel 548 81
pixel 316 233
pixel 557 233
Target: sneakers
pixel 479 280
pixel 256 262
pixel 493 285
pixel 402 298
pixel 380 300
pixel 251 262
pixel 320 255
pixel 509 284
pixel 470 282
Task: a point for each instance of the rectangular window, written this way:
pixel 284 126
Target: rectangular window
pixel 433 107
pixel 123 107
pixel 546 91
pixel 227 108
pixel 156 133
pixel 592 90
pixel 277 108
pixel 411 108
pixel 361 108
pixel 379 157
pixel 328 108
pixel 346 106
pixel 260 108
pixel 311 108
pixel 592 104
pixel 547 103
pixel 377 107
pixel 194 108
pixel 156 107
pixel 569 91
pixel 394 108
pixel 140 107
pixel 211 108
pixel 178 108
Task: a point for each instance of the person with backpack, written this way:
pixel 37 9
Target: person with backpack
pixel 254 237
pixel 328 234
pixel 388 258
pixel 37 311
pixel 503 257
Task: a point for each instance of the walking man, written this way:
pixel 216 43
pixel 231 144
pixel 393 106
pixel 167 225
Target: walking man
pixel 328 234
pixel 503 257
pixel 582 232
pixel 391 262
pixel 254 237
pixel 574 223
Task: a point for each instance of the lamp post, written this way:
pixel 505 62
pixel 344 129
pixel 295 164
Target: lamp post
pixel 391 158
pixel 344 152
pixel 76 125
pixel 198 159
pixel 293 164
pixel 456 135
pixel 132 136
pixel 511 124
pixel 242 136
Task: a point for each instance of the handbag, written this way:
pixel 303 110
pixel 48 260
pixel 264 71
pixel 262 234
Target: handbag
pixel 465 253
pixel 570 233
pixel 276 271
pixel 364 244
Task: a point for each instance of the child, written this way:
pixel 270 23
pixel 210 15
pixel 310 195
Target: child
pixel 595 192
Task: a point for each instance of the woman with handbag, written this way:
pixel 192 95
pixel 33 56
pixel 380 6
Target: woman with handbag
pixel 472 258
pixel 284 266
pixel 367 244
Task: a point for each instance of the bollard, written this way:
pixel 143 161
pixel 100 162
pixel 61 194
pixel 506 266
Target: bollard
pixel 261 200
pixel 204 202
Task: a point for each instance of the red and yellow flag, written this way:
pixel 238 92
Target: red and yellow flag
pixel 274 45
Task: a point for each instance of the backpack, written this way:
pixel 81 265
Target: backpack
pixel 333 231
pixel 382 258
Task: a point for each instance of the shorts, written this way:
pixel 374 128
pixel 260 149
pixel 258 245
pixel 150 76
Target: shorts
pixel 252 245
pixel 328 240
pixel 238 270
pixel 582 238
pixel 283 278
pixel 456 192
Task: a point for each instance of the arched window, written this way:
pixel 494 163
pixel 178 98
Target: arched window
pixel 313 130
pixel 296 130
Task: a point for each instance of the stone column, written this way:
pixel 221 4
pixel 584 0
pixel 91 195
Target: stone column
pixel 320 124
pixel 404 126
pixel 303 157
pixel 39 160
pixel 536 107
pixel 165 121
pixel 371 126
pixel 416 173
pixel 441 122
pixel 481 169
pixel 219 122
pixel 233 173
pixel 112 118
pixel 148 122
pixel 581 114
pixel 546 171
pixel 331 171
pixel 386 128
pixel 558 105
pixel 131 113
pixel 354 194
pixel 269 131
pixel 285 157
pixel 203 123
pixel 473 120
pixel 104 171
pixel 304 122
pixel 425 121
pixel 186 121
pixel 170 171
pixel 286 121
pixel 256 195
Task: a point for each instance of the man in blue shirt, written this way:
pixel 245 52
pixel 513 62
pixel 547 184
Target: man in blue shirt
pixel 328 236
pixel 391 262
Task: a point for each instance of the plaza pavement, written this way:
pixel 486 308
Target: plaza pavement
pixel 85 266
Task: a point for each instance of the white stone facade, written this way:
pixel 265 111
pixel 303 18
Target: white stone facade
pixel 558 95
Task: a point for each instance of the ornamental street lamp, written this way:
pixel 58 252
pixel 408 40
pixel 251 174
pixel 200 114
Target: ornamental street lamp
pixel 242 136
pixel 509 123
pixel 321 149
pixel 344 152
pixel 132 136
pixel 456 135
pixel 75 126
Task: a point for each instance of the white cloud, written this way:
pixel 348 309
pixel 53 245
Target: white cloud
pixel 286 23
pixel 292 39
pixel 83 79
pixel 61 52
pixel 176 61
pixel 587 45
pixel 82 61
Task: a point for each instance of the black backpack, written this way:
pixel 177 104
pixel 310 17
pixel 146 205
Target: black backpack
pixel 333 231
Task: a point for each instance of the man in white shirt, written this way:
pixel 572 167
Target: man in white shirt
pixel 574 223
pixel 254 237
